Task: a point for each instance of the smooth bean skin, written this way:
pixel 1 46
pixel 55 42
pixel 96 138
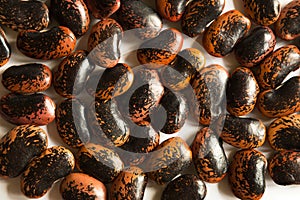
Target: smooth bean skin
pixel 171 10
pixel 53 164
pixel 281 101
pixel 241 92
pixel 5 49
pixel 78 186
pixel 37 109
pixel 27 78
pixel 284 168
pixel 199 14
pixel 284 133
pixel 247 174
pixel 54 43
pixel 18 147
pixel 286 26
pixel 264 12
pixel 275 68
pixel 223 34
pixel 209 157
pixel 103 9
pixel 253 48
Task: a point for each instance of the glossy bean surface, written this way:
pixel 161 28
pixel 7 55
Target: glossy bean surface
pixel 171 10
pixel 103 9
pixel 5 49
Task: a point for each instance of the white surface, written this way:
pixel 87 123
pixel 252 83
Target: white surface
pixel 10 189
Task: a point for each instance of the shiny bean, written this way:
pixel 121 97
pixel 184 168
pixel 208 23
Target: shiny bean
pixel 171 10
pixel 5 50
pixel 104 8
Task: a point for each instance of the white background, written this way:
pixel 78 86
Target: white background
pixel 10 188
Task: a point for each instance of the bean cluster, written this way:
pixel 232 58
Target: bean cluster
pixel 110 119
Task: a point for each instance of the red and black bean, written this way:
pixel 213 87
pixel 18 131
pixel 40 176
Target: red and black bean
pixel 168 160
pixel 243 133
pixel 287 26
pixel 284 133
pixel 37 109
pixel 18 147
pixel 284 168
pixel 135 15
pixel 198 14
pixel 104 8
pixel 99 162
pixel 209 156
pixel 253 48
pixel 183 69
pixel 210 91
pixel 129 185
pixel 27 78
pixel 185 187
pixel 24 15
pixel 5 50
pixel 78 186
pixel 171 10
pixel 104 43
pixel 72 73
pixel 241 93
pixel 264 12
pixel 223 34
pixel 54 43
pixel 161 50
pixel 275 68
pixel 71 14
pixel 281 101
pixel 71 123
pixel 53 164
pixel 247 174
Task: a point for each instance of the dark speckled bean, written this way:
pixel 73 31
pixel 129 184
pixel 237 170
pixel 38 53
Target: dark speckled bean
pixel 262 12
pixel 53 164
pixel 99 162
pixel 78 186
pixel 274 69
pixel 129 185
pixel 72 14
pixel 24 15
pixel 71 75
pixel 241 93
pixel 198 14
pixel 284 168
pixel 282 101
pixel 287 26
pixel 18 147
pixel 161 50
pixel 5 50
pixel 208 156
pixel 253 48
pixel 104 8
pixel 37 109
pixel 27 78
pixel 135 14
pixel 171 10
pixel 185 187
pixel 243 133
pixel 247 174
pixel 71 123
pixel 223 34
pixel 55 43
pixel 169 159
pixel 104 43
pixel 284 133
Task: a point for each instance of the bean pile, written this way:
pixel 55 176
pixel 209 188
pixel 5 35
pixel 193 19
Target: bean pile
pixel 110 119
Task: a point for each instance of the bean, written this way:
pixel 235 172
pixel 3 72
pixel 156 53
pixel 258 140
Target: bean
pixel 247 174
pixel 223 34
pixel 253 48
pixel 18 147
pixel 209 157
pixel 103 9
pixel 55 43
pixel 284 133
pixel 27 78
pixel 5 50
pixel 54 163
pixel 171 10
pixel 37 109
